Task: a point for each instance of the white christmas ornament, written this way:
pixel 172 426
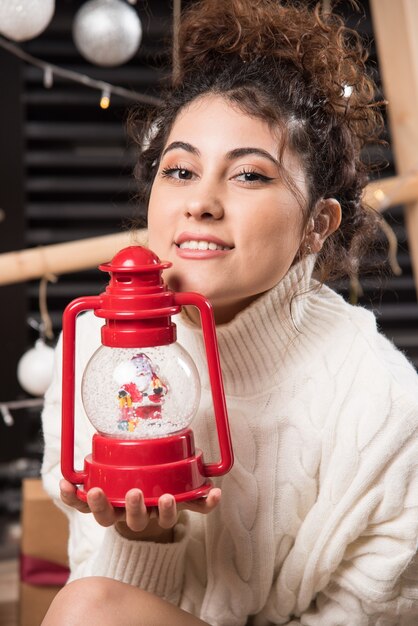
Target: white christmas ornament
pixel 34 370
pixel 25 19
pixel 107 32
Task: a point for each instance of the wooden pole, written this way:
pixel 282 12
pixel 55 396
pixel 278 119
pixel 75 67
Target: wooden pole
pixel 382 194
pixel 396 31
pixel 65 257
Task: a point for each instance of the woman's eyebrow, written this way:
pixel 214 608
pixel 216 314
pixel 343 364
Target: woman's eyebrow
pixel 183 145
pixel 231 155
pixel 239 152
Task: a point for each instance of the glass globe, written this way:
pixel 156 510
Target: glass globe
pixel 140 393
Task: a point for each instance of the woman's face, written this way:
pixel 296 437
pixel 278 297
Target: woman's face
pixel 219 208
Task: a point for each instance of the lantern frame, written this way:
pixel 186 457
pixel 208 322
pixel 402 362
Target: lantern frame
pixel 137 307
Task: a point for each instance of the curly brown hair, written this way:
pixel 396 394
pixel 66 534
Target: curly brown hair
pixel 299 70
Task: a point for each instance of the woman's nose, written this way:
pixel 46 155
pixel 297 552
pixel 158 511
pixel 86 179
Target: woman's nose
pixel 204 206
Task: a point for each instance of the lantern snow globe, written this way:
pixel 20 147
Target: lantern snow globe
pixel 141 389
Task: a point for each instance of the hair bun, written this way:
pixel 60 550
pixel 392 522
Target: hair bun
pixel 213 28
pixel 214 33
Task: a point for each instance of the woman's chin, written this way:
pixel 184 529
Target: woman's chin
pixel 184 283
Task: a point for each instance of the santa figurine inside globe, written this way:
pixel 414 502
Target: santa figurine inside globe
pixel 141 391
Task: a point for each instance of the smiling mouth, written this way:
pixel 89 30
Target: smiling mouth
pixel 194 244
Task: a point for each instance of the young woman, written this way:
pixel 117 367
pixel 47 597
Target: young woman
pixel 253 179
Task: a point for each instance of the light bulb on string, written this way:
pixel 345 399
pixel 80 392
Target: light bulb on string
pixel 6 415
pixel 48 77
pixel 71 75
pixel 347 91
pixel 105 99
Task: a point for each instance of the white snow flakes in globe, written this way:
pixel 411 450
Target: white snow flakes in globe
pixel 21 20
pixel 107 32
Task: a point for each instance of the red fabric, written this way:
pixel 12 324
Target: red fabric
pixel 148 412
pixel 133 391
pixel 40 572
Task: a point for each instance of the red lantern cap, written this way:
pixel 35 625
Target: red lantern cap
pixel 137 305
pixel 134 257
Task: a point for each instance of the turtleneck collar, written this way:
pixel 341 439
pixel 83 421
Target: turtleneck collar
pixel 266 337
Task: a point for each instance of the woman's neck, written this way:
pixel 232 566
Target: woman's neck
pixel 223 312
pixel 260 345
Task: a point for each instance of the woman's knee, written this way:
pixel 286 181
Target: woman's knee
pixel 105 602
pixel 96 597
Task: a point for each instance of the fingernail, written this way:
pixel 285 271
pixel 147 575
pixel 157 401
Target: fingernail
pixel 134 497
pixel 168 503
pixel 95 496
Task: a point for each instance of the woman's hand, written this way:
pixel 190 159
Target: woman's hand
pixel 135 520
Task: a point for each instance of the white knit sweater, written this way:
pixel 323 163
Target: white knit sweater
pixel 318 522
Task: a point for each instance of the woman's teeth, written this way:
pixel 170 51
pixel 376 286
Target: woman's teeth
pixel 201 245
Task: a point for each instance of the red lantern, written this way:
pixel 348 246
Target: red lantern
pixel 141 389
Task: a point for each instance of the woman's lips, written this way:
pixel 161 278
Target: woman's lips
pixel 200 254
pixel 194 240
pixel 192 246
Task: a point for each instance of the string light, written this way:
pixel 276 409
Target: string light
pixel 347 90
pixel 48 77
pixel 49 70
pixel 105 99
pixel 5 413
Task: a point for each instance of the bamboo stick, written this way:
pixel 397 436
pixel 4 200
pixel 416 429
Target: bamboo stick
pixel 61 258
pixel 396 32
pixel 83 254
pixel 382 194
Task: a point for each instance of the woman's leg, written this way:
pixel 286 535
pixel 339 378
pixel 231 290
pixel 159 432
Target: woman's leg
pixel 102 601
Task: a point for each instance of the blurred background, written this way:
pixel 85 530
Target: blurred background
pixel 66 174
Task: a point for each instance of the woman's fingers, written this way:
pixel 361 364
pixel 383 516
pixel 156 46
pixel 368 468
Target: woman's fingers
pixel 167 511
pixel 204 505
pixel 103 511
pixel 97 503
pixel 69 496
pixel 136 514
pixel 137 517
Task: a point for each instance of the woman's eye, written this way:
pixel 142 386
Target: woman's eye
pixel 252 177
pixel 179 173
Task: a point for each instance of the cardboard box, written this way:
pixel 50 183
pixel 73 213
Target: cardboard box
pixel 43 550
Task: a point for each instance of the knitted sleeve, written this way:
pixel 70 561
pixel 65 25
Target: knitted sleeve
pixel 93 550
pixel 353 560
pixel 366 571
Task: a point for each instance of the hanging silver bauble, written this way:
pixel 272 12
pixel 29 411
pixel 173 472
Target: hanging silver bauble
pixel 107 32
pixel 25 19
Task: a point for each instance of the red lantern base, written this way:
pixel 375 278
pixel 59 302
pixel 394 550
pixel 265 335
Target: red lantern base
pixel 156 466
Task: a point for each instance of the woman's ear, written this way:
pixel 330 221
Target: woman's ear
pixel 323 223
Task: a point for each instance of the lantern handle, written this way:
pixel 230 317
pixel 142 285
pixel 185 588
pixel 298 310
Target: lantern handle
pixel 215 377
pixel 68 384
